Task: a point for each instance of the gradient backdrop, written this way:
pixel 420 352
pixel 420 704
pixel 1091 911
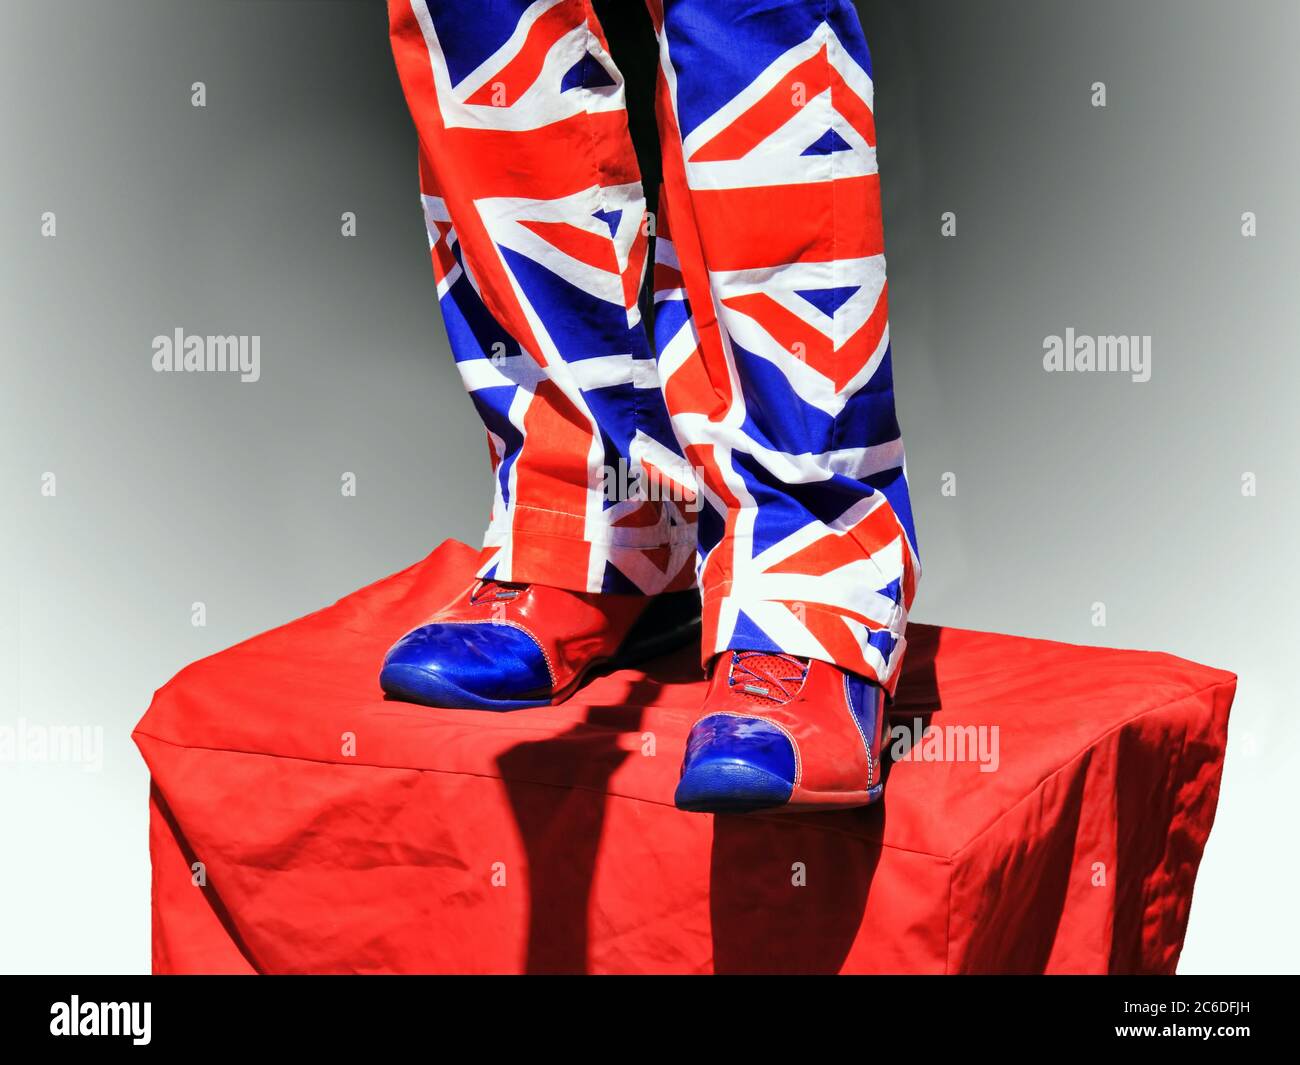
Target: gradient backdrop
pixel 1071 489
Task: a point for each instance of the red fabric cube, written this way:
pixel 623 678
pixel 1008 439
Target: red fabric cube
pixel 301 822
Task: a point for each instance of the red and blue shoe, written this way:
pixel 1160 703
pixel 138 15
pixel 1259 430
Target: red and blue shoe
pixel 505 646
pixel 779 731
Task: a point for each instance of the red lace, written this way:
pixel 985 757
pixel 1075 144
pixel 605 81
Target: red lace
pixel 767 676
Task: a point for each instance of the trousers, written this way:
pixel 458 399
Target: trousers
pixel 702 396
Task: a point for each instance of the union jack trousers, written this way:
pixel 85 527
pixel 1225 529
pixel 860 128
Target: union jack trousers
pixel 744 438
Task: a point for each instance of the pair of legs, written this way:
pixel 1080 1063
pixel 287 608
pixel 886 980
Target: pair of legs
pixel 738 455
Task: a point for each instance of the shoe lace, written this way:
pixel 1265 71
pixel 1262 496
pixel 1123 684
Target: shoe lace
pixel 767 676
pixel 494 590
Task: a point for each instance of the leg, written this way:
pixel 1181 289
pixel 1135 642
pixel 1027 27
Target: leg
pixel 774 352
pixel 535 214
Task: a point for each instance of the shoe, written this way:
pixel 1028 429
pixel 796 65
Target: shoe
pixel 504 646
pixel 779 731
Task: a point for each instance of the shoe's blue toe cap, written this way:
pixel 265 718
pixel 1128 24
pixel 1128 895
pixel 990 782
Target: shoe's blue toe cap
pixel 469 666
pixel 734 765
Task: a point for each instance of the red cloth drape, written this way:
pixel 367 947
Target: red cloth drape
pixel 340 832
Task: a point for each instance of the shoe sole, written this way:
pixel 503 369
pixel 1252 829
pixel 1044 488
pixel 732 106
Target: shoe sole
pixel 739 788
pixel 730 787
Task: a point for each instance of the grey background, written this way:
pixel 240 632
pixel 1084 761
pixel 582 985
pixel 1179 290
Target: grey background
pixel 1072 488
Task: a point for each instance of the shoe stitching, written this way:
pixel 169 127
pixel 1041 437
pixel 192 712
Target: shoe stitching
pixel 866 743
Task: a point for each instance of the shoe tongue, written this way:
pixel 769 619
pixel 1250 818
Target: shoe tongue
pixel 495 591
pixel 767 678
